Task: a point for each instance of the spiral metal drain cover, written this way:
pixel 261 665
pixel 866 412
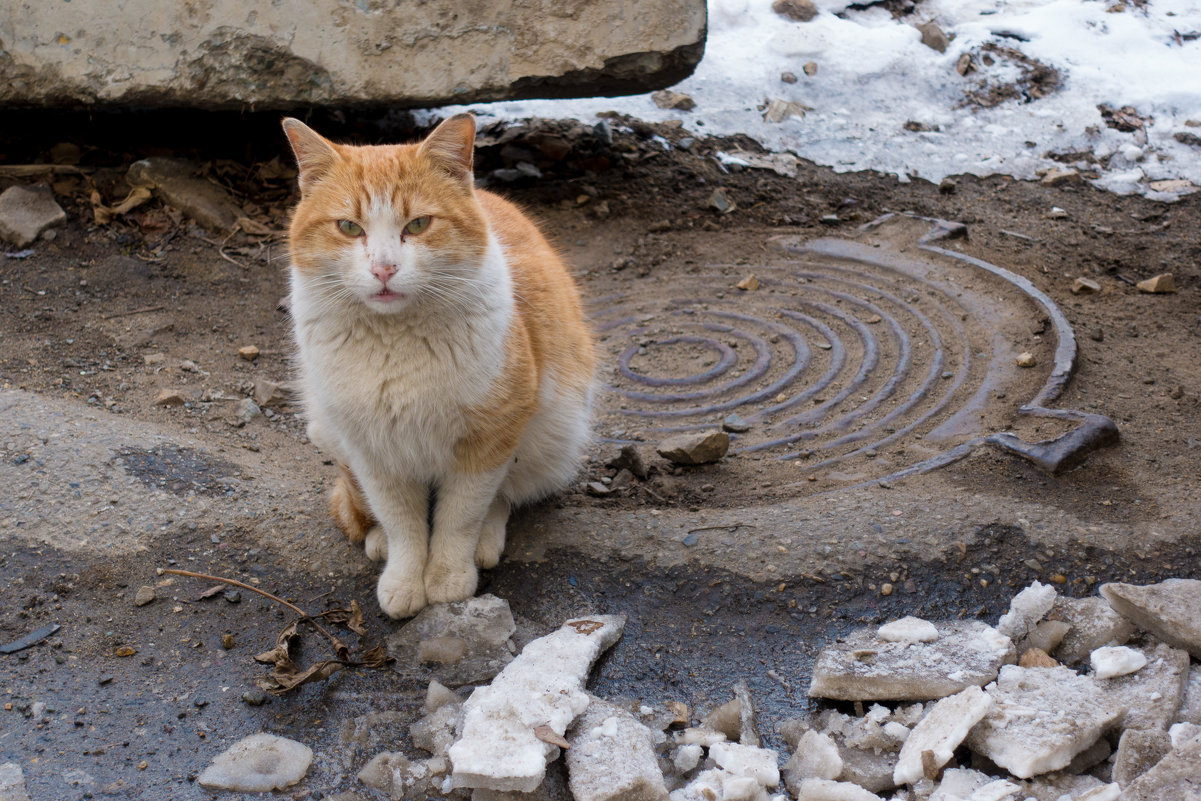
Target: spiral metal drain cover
pixel 855 361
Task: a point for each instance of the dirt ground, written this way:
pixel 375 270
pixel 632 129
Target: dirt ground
pixel 746 565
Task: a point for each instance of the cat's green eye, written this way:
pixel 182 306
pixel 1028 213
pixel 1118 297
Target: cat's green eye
pixel 350 228
pixel 418 225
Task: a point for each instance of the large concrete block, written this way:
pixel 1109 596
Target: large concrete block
pixel 229 54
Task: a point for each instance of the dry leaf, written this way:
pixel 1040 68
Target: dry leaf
pixel 104 214
pixel 548 735
pixel 210 592
pixel 586 626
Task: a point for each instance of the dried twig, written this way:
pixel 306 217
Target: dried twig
pixel 731 527
pixel 26 170
pixel 143 310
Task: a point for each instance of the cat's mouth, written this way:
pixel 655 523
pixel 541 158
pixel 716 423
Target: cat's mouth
pixel 388 296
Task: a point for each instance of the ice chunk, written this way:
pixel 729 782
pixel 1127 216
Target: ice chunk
pixel 816 757
pixel 1115 660
pixel 1181 733
pixel 826 790
pixel 466 642
pixel 720 785
pixel 498 749
pixel 1046 636
pixel 1168 610
pixel 869 769
pixel 1025 610
pixel 1042 717
pixel 399 777
pixel 908 629
pixel 12 783
pixel 760 764
pixel 933 740
pixel 736 718
pixel 700 736
pixel 1190 706
pixel 1177 777
pixel 1138 751
pixel 436 731
pixel 865 667
pixel 963 784
pixel 612 757
pixel 1152 695
pixel 1093 623
pixel 687 757
pixel 437 695
pixel 257 764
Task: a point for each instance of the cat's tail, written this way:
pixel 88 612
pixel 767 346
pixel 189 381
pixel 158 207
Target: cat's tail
pixel 348 506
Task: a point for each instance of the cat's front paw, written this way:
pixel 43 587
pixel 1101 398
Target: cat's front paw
pixel 445 584
pixel 376 544
pixel 401 595
pixel 491 544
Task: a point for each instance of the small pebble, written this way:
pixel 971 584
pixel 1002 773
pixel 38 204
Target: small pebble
pixel 1026 360
pixel 227 641
pixel 232 596
pixel 886 589
pixel 145 595
pixel 254 697
pixel 248 352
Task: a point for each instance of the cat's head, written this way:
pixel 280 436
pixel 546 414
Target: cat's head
pixel 388 226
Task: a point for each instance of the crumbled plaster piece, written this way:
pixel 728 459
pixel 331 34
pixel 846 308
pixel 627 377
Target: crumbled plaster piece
pixel 864 667
pixel 1042 717
pixel 257 764
pixel 908 629
pixel 1167 610
pixel 1177 777
pixel 1151 696
pixel 1138 751
pixel 826 790
pixel 1115 660
pixel 399 777
pixel 1026 609
pixel 498 749
pixel 940 733
pixel 437 695
pixel 760 764
pixel 1093 624
pixel 612 757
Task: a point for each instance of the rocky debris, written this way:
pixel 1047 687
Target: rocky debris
pixel 1085 286
pixel 1045 636
pixel 1026 359
pixel 933 36
pixel 747 761
pixel 400 777
pixel 1173 777
pixel 796 10
pixel 779 110
pixel 272 393
pixel 1167 610
pixel 1042 717
pixel 1138 750
pixel 810 68
pixel 750 283
pixel 435 733
pixel 1036 657
pixel 1152 696
pixel 542 687
pixel 175 182
pixel 865 667
pixel 788 77
pixel 735 719
pixel 170 397
pixel 248 352
pixel 629 458
pixel 1162 284
pixel 145 595
pixel 1092 623
pixel 1059 176
pixel 244 411
pixel 26 212
pixel 257 764
pixel 665 98
pixel 934 739
pixel 720 201
pixel 1115 660
pixel 612 757
pixel 12 783
pixel 468 641
pixel 735 424
pixel 701 447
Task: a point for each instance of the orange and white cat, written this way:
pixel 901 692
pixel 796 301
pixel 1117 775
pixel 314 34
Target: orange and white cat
pixel 443 355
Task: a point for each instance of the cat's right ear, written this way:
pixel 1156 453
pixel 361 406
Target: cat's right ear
pixel 314 153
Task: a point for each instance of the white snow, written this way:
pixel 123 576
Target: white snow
pixel 874 75
pixel 908 629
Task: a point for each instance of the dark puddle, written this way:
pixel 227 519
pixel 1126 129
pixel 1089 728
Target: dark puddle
pixel 179 470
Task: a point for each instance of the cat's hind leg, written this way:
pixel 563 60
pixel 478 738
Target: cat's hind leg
pixel 349 507
pixel 463 502
pixel 492 534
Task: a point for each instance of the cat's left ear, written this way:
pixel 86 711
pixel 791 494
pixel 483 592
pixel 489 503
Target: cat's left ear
pixel 452 145
pixel 314 153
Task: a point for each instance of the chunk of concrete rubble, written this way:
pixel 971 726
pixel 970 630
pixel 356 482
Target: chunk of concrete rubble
pixel 868 745
pixel 1070 787
pixel 612 757
pixel 908 629
pixel 760 764
pixel 1190 706
pixel 870 769
pixel 698 447
pixel 1138 751
pixel 864 667
pixel 1092 624
pixel 816 757
pixel 400 777
pixel 12 783
pixel 542 687
pixel 1162 284
pixel 1151 696
pixel 176 183
pixel 1041 718
pixel 1181 733
pixel 27 211
pixel 1026 609
pixel 479 629
pixel 1167 610
pixel 1177 777
pixel 1045 636
pixel 965 784
pixel 1115 660
pixel 826 790
pixel 933 740
pixel 259 763
pixel 435 732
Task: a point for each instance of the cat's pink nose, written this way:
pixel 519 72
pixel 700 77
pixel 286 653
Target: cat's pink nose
pixel 383 271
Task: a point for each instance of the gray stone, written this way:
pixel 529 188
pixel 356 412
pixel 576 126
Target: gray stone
pixel 146 594
pixel 1151 696
pixel 1177 777
pixel 214 54
pixel 176 183
pixel 258 764
pixel 677 100
pixel 701 447
pixel 1168 610
pixel 1093 624
pixel 244 411
pixel 796 10
pixel 735 424
pixel 1042 718
pixel 12 783
pixel 865 667
pixel 1139 751
pixel 933 36
pixel 481 625
pixel 612 757
pixel 27 211
pixel 272 393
